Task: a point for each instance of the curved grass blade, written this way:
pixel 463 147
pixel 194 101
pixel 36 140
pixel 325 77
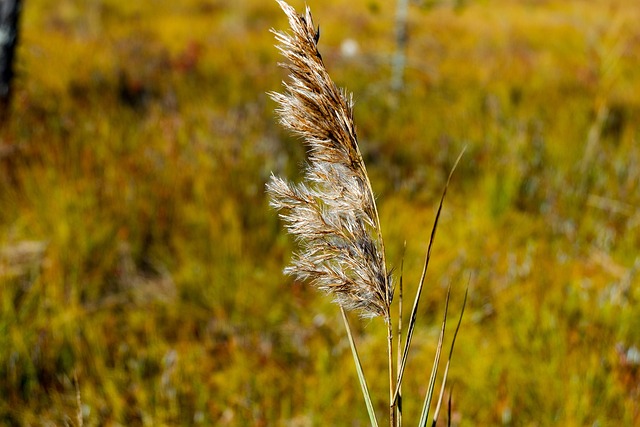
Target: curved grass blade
pixel 446 369
pixel 434 371
pixel 414 310
pixel 361 377
pixel 399 358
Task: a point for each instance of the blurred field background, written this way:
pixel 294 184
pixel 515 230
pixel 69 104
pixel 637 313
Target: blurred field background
pixel 138 253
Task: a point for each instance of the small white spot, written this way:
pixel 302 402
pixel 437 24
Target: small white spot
pixel 349 48
pixel 633 355
pixel 319 321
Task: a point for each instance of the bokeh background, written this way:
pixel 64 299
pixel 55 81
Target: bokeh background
pixel 141 267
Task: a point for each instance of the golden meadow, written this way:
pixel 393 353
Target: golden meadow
pixel 141 266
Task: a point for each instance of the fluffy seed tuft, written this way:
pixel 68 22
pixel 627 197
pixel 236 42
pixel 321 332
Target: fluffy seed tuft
pixel 332 213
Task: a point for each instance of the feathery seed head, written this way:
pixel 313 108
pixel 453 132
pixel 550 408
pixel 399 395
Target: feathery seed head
pixel 332 213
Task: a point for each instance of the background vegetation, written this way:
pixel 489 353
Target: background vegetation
pixel 138 253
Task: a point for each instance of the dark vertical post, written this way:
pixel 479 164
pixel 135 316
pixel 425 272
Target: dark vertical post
pixel 9 16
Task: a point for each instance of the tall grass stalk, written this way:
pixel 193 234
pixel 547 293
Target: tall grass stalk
pixel 333 213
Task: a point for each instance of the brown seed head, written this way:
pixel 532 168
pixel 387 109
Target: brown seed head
pixel 332 213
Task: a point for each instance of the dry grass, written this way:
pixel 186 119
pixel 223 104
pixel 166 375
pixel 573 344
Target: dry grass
pixel 333 213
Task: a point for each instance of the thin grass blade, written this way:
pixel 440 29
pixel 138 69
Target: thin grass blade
pixel 361 377
pixel 399 359
pixel 446 369
pixel 76 383
pixel 449 408
pixel 414 310
pixel 434 371
pixel 444 382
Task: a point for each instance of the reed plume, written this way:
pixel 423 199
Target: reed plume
pixel 332 213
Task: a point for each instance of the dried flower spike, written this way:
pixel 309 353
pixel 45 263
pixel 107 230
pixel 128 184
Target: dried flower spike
pixel 332 213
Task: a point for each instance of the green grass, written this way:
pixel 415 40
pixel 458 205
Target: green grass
pixel 143 138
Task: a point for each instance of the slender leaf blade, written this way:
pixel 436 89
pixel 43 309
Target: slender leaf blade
pixel 361 377
pixel 434 371
pixel 446 370
pixel 414 310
